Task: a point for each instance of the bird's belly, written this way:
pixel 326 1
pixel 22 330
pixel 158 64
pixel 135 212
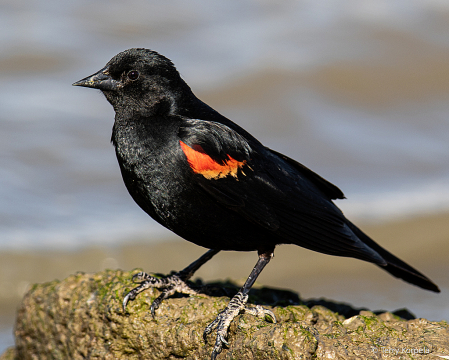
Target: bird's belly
pixel 192 214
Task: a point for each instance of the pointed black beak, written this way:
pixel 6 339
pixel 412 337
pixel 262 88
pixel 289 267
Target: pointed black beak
pixel 100 80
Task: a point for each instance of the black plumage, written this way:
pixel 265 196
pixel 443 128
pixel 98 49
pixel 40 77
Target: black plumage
pixel 211 182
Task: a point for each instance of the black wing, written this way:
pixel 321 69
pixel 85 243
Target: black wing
pixel 329 189
pixel 290 201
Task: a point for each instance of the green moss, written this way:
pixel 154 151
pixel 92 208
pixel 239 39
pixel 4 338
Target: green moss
pixel 81 317
pixel 370 321
pixel 306 333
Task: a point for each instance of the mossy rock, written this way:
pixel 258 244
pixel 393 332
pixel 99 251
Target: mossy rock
pixel 81 317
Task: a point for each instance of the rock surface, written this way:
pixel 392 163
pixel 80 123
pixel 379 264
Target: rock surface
pixel 81 318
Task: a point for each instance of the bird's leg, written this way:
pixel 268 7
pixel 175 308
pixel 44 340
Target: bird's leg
pixel 171 284
pixel 238 305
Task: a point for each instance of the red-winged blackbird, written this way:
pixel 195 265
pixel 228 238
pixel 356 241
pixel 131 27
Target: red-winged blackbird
pixel 212 183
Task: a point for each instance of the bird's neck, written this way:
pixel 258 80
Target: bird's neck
pixel 136 137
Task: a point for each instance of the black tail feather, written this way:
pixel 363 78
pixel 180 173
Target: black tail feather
pixel 395 266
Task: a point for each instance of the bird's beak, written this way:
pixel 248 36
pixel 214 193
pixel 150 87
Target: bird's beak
pixel 100 80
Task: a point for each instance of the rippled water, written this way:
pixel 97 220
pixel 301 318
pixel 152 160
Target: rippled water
pixel 356 90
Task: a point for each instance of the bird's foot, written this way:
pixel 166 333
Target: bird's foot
pixel 236 306
pixel 169 285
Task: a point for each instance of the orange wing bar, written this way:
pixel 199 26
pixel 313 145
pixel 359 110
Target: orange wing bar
pixel 203 164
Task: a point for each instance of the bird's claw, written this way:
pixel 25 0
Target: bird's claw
pixel 155 304
pixel 141 276
pixel 127 298
pixel 218 346
pixel 223 320
pixel 260 312
pixel 168 285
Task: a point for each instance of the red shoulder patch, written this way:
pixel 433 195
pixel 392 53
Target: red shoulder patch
pixel 203 164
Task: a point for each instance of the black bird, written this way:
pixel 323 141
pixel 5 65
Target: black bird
pixel 212 183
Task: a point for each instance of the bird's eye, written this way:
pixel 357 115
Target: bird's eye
pixel 133 75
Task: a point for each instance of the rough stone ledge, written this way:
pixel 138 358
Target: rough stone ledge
pixel 81 318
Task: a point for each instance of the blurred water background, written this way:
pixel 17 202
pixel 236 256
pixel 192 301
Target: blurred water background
pixel 356 90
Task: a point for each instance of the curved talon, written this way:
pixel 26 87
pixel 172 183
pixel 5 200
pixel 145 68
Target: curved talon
pixel 214 354
pixel 210 327
pixel 271 315
pixel 217 350
pixel 205 333
pixel 222 339
pixel 218 347
pixel 261 313
pixel 268 316
pixel 154 307
pixel 127 298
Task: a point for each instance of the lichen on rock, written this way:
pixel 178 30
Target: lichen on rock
pixel 81 317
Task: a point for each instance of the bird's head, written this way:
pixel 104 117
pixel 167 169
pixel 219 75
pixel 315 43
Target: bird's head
pixel 138 80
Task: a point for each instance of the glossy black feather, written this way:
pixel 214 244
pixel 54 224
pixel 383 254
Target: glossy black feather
pixel 217 140
pixel 276 196
pixel 329 189
pixel 271 200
